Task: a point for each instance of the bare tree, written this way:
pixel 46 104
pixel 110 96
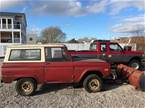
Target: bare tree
pixel 52 35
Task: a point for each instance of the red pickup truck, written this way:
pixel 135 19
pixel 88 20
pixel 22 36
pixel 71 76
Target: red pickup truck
pixel 31 65
pixel 111 52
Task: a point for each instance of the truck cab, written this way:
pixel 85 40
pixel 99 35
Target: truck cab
pixel 113 53
pixel 30 65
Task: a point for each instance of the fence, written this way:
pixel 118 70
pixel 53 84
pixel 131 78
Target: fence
pixel 3 47
pixel 86 46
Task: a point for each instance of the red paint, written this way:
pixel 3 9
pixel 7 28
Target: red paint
pixel 52 72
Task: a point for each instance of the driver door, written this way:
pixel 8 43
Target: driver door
pixel 58 69
pixel 115 53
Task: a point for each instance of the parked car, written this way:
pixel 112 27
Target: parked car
pixel 31 65
pixel 113 53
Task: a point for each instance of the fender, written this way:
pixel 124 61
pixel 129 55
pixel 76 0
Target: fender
pixel 89 71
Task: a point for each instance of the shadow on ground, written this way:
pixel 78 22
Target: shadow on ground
pixel 46 88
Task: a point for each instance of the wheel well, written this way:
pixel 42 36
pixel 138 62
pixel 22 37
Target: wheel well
pixel 135 58
pixel 90 73
pixel 26 77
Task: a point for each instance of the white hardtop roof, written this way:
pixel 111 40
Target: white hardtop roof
pixel 36 45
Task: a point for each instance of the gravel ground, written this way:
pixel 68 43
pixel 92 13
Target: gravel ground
pixel 60 96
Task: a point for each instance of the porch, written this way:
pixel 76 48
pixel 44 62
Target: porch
pixel 10 37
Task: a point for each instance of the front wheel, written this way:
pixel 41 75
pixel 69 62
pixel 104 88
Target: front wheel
pixel 92 84
pixel 26 86
pixel 135 64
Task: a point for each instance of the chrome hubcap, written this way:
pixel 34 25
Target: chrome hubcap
pixel 94 84
pixel 27 87
pixel 135 65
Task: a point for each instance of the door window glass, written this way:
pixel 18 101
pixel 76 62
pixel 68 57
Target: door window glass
pixel 115 47
pixel 55 54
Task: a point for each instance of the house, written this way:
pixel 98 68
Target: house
pixel 12 29
pixel 32 37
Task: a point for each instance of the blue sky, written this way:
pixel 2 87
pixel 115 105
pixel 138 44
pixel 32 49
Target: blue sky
pixel 102 19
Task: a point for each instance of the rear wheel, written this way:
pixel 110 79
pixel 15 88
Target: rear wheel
pixel 135 64
pixel 26 86
pixel 92 84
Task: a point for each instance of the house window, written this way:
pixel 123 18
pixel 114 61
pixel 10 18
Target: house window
pixel 16 37
pixel 4 23
pixel 30 39
pixel 6 37
pixel 9 23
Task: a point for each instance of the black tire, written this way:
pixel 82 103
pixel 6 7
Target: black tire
pixel 135 62
pixel 28 84
pixel 88 82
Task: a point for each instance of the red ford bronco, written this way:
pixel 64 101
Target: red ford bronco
pixel 113 53
pixel 31 65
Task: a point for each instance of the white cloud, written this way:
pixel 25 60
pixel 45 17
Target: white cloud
pixel 68 8
pixel 118 5
pixel 72 7
pixel 4 4
pixel 131 25
pixel 75 8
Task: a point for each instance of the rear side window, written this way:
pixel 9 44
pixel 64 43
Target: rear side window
pixel 93 47
pixel 25 55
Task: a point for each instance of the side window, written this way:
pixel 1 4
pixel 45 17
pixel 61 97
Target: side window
pixel 115 47
pixel 103 47
pixel 54 54
pixel 25 55
pixel 93 47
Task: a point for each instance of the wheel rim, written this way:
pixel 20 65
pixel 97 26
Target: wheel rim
pixel 94 84
pixel 27 87
pixel 135 65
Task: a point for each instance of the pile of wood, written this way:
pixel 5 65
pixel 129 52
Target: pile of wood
pixel 139 41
